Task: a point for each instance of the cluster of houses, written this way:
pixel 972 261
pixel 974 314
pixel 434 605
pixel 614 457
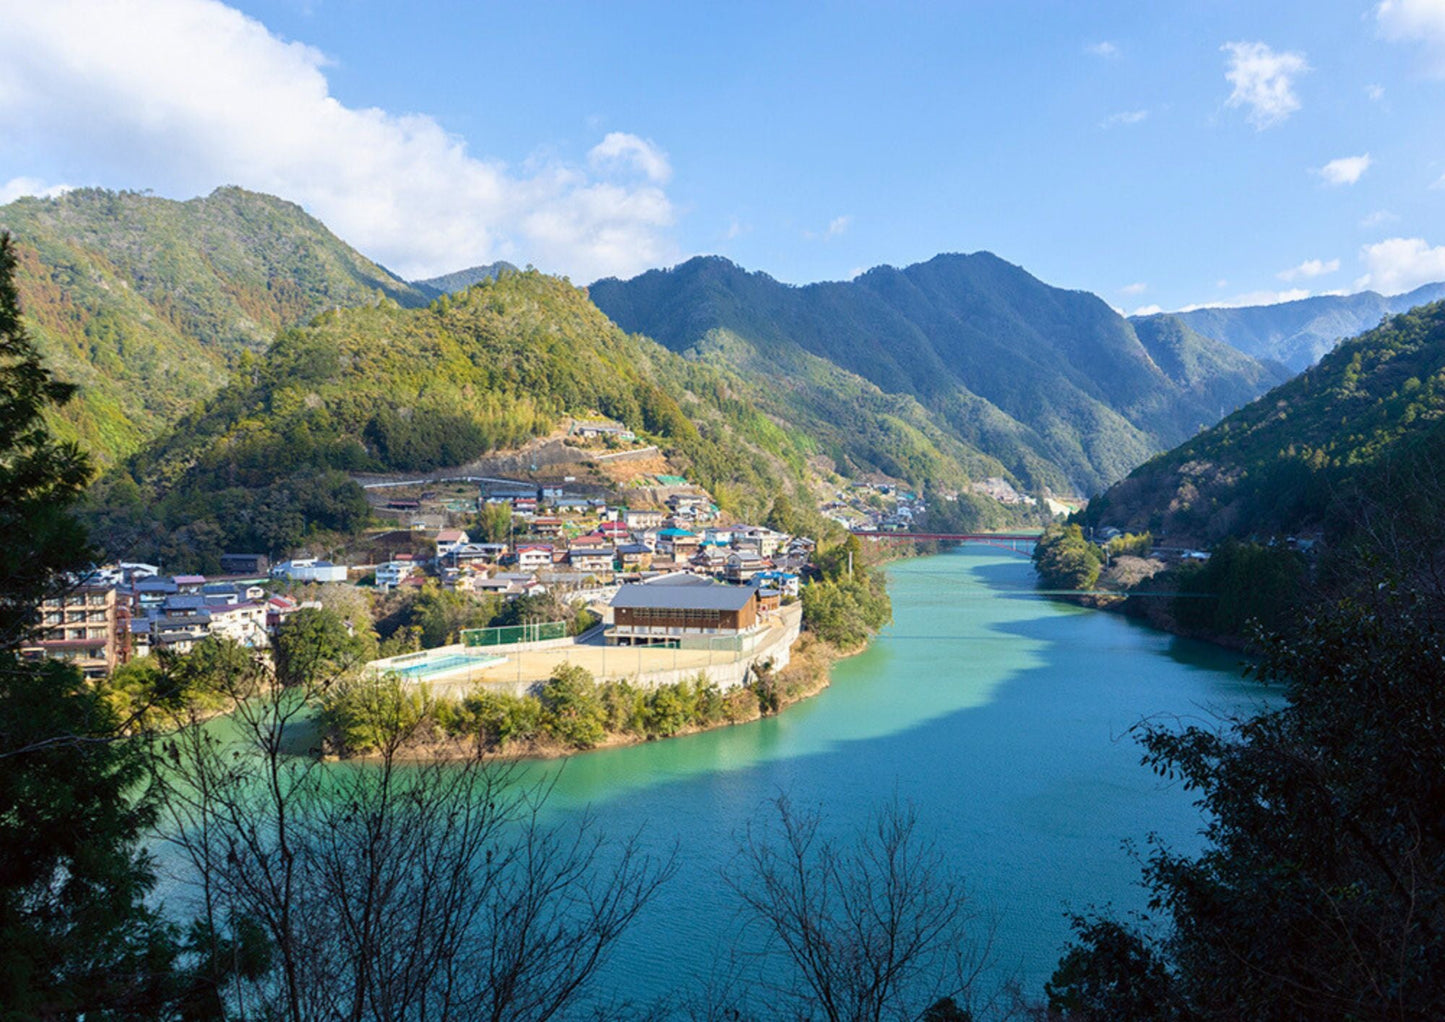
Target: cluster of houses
pixel 879 507
pixel 129 610
pixel 633 544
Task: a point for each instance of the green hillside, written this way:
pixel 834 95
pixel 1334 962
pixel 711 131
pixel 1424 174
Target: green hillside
pixel 383 388
pixel 1053 384
pixel 1362 427
pixel 148 304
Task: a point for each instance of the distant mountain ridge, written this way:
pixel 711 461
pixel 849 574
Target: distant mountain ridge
pixel 460 280
pixel 147 303
pixel 1298 334
pixel 1052 383
pixel 1352 430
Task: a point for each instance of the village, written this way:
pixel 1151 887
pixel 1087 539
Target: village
pixel 665 577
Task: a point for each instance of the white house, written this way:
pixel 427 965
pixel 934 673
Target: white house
pixel 244 623
pixel 534 557
pixel 393 573
pixel 309 569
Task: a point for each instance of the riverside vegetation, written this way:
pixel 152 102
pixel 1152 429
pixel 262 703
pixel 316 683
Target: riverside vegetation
pixel 1318 891
pixel 845 605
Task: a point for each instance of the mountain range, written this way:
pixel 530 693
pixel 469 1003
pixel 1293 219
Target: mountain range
pixel 1054 384
pixel 1299 333
pixel 941 373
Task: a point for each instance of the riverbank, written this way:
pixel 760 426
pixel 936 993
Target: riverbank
pixel 575 714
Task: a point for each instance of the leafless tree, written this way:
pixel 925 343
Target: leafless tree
pixel 388 889
pixel 872 929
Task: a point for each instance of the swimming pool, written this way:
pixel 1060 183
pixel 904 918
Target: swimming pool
pixel 432 667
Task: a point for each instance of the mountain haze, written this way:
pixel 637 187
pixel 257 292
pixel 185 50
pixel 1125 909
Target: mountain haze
pixel 1053 384
pixel 1297 334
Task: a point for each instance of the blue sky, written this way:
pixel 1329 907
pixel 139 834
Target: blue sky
pixel 1156 154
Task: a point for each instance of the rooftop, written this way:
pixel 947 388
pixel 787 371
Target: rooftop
pixel 668 595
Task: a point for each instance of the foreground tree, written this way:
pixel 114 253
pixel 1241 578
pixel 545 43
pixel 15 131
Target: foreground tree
pixel 389 890
pixel 871 929
pixel 1321 892
pixel 76 938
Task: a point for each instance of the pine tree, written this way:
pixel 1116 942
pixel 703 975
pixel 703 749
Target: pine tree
pixel 76 938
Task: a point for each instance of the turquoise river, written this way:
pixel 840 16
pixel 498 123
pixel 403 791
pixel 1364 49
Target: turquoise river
pixel 1002 716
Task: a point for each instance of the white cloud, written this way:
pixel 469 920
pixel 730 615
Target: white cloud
pixel 1221 282
pixel 1124 117
pixel 1346 170
pixel 1309 268
pixel 1263 81
pixel 1375 92
pixel 18 186
pixel 620 148
pixel 736 228
pixel 1400 264
pixel 838 225
pixel 1378 217
pixel 1147 310
pixel 1439 182
pixel 1418 21
pixel 1104 49
pixel 184 95
pixel 1293 294
pixel 1134 289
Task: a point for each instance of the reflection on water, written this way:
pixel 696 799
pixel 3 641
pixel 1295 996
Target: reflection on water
pixel 1004 716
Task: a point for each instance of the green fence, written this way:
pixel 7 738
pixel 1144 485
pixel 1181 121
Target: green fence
pixel 505 635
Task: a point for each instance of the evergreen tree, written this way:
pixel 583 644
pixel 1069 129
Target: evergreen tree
pixel 76 938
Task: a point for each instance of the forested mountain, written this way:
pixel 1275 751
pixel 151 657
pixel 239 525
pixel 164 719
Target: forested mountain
pixel 148 303
pixel 1299 333
pixel 1054 384
pixel 450 283
pixel 385 388
pixel 1364 428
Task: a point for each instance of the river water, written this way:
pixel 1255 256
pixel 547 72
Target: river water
pixel 1002 716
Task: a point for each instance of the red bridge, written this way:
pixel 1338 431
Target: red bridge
pixel 1004 540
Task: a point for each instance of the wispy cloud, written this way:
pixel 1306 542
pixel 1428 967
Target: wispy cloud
pixel 1375 92
pixel 185 95
pixel 1103 48
pixel 1400 264
pixel 1263 82
pixel 1147 310
pixel 1346 170
pixel 1417 21
pixel 19 186
pixel 619 149
pixel 839 225
pixel 1309 268
pixel 1134 289
pixel 1293 294
pixel 1378 218
pixel 1124 117
pixel 1439 182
